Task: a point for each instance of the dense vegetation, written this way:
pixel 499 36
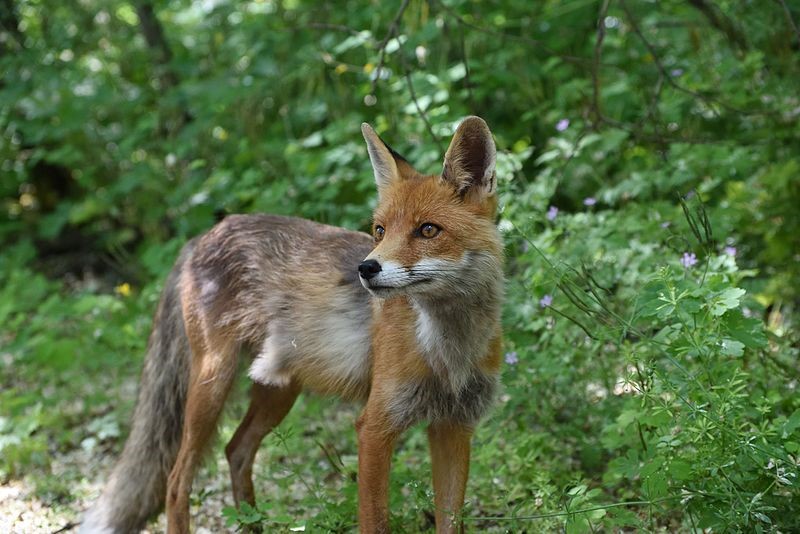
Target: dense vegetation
pixel 649 180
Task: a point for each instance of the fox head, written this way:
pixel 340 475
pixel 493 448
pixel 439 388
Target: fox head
pixel 435 235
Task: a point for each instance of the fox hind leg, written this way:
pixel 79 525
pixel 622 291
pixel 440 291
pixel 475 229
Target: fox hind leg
pixel 213 370
pixel 268 406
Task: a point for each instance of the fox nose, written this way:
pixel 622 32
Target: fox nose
pixel 369 268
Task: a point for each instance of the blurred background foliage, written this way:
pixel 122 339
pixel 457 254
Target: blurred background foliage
pixel 649 175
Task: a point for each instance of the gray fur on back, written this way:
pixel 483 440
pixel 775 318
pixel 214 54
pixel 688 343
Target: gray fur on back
pixel 245 271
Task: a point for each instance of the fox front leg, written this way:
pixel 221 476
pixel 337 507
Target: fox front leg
pixel 376 442
pixel 450 451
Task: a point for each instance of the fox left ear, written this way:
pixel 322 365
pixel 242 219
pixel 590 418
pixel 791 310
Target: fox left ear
pixel 387 165
pixel 470 159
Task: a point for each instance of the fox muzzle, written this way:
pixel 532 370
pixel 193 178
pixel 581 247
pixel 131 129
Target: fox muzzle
pixel 369 269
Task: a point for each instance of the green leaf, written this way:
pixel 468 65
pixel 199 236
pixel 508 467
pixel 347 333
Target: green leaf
pixel 747 330
pixel 791 424
pixel 726 300
pixel 680 470
pixel 731 347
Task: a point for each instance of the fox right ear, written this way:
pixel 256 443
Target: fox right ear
pixel 383 158
pixel 470 160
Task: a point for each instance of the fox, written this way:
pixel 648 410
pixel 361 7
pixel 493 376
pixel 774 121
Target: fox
pixel 405 321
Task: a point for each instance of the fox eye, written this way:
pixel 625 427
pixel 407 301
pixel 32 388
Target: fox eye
pixel 379 231
pixel 429 230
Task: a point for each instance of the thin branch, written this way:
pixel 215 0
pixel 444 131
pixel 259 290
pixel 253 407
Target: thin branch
pixel 69 526
pixel 527 40
pixel 328 26
pixel 790 19
pixel 721 22
pixel 382 46
pixel 652 109
pixel 598 46
pixel 657 60
pixel 9 23
pixel 595 111
pixel 576 512
pixel 467 79
pixel 154 36
pixel 670 79
pixel 422 114
pixel 153 33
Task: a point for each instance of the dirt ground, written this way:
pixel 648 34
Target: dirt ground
pixel 22 512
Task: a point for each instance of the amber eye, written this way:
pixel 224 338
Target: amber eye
pixel 429 230
pixel 379 231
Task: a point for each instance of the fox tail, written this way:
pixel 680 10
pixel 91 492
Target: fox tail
pixel 137 486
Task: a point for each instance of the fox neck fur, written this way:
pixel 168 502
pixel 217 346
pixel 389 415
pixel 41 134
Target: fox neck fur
pixel 453 332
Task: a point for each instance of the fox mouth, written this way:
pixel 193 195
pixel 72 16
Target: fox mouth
pixel 375 287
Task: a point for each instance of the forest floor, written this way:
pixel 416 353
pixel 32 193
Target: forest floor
pixel 55 502
pixel 24 510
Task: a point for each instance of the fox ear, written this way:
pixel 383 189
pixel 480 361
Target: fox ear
pixel 470 159
pixel 384 160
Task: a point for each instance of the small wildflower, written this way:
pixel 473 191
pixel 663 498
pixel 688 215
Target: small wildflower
pixel 562 125
pixel 123 290
pixel 665 224
pixel 546 301
pixel 730 251
pixel 688 259
pixel 552 213
pixel 511 357
pixel 676 72
pixel 589 201
pixel 421 52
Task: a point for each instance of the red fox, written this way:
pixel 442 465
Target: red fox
pixel 406 320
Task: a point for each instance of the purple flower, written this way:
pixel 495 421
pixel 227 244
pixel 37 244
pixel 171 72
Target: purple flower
pixel 688 259
pixel 546 301
pixel 730 251
pixel 666 224
pixel 675 72
pixel 589 201
pixel 511 357
pixel 562 125
pixel 552 213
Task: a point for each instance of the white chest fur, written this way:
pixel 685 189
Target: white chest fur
pixel 453 336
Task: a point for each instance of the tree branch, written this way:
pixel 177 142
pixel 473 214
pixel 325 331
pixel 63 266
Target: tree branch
pixel 153 33
pixel 709 101
pixel 382 46
pixel 721 22
pixel 598 46
pixel 154 36
pixel 527 40
pixel 9 24
pixel 790 19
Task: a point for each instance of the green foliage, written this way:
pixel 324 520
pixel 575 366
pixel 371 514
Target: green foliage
pixel 648 169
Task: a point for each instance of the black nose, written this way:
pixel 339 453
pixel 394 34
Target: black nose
pixel 369 268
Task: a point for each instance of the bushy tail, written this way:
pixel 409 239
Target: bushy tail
pixel 137 486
